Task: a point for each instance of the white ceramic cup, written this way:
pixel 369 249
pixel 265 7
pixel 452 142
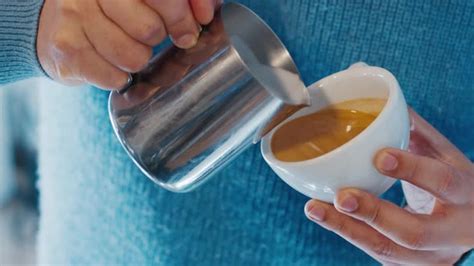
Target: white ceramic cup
pixel 349 165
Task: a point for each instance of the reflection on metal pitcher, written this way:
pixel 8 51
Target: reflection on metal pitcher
pixel 192 111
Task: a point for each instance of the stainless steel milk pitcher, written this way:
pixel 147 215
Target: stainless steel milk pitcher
pixel 192 111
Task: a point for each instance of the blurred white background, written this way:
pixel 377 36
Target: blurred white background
pixel 18 195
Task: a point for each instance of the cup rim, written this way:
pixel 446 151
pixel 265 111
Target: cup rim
pixel 355 71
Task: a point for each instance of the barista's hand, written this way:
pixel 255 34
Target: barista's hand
pixel 100 41
pixel 435 229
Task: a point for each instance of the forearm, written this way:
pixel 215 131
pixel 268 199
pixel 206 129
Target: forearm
pixel 18 30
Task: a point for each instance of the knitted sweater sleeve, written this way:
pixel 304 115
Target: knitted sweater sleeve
pixel 18 30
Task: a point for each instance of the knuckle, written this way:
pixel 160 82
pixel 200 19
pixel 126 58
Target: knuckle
pixel 382 248
pixel 415 169
pixel 149 31
pixel 352 235
pixel 68 8
pixel 341 226
pixel 64 45
pixel 416 239
pixel 447 183
pixel 374 216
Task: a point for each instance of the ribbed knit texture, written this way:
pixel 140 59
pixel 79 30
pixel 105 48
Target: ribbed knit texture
pixel 18 28
pixel 97 208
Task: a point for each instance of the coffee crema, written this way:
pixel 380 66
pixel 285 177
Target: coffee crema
pixel 313 135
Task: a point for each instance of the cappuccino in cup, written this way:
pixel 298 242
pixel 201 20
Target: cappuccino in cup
pixel 316 134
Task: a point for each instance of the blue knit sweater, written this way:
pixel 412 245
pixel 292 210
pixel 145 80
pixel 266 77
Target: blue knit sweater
pixel 18 26
pixel 97 208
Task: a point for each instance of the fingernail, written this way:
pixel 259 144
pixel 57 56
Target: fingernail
pixel 348 203
pixel 386 162
pixel 186 41
pixel 314 211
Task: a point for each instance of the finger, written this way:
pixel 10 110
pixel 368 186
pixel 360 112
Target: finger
pixel 57 54
pixel 440 179
pixel 95 70
pixel 363 236
pixel 204 10
pixel 137 19
pixel 113 44
pixel 418 232
pixel 179 21
pixel 74 61
pixel 427 141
